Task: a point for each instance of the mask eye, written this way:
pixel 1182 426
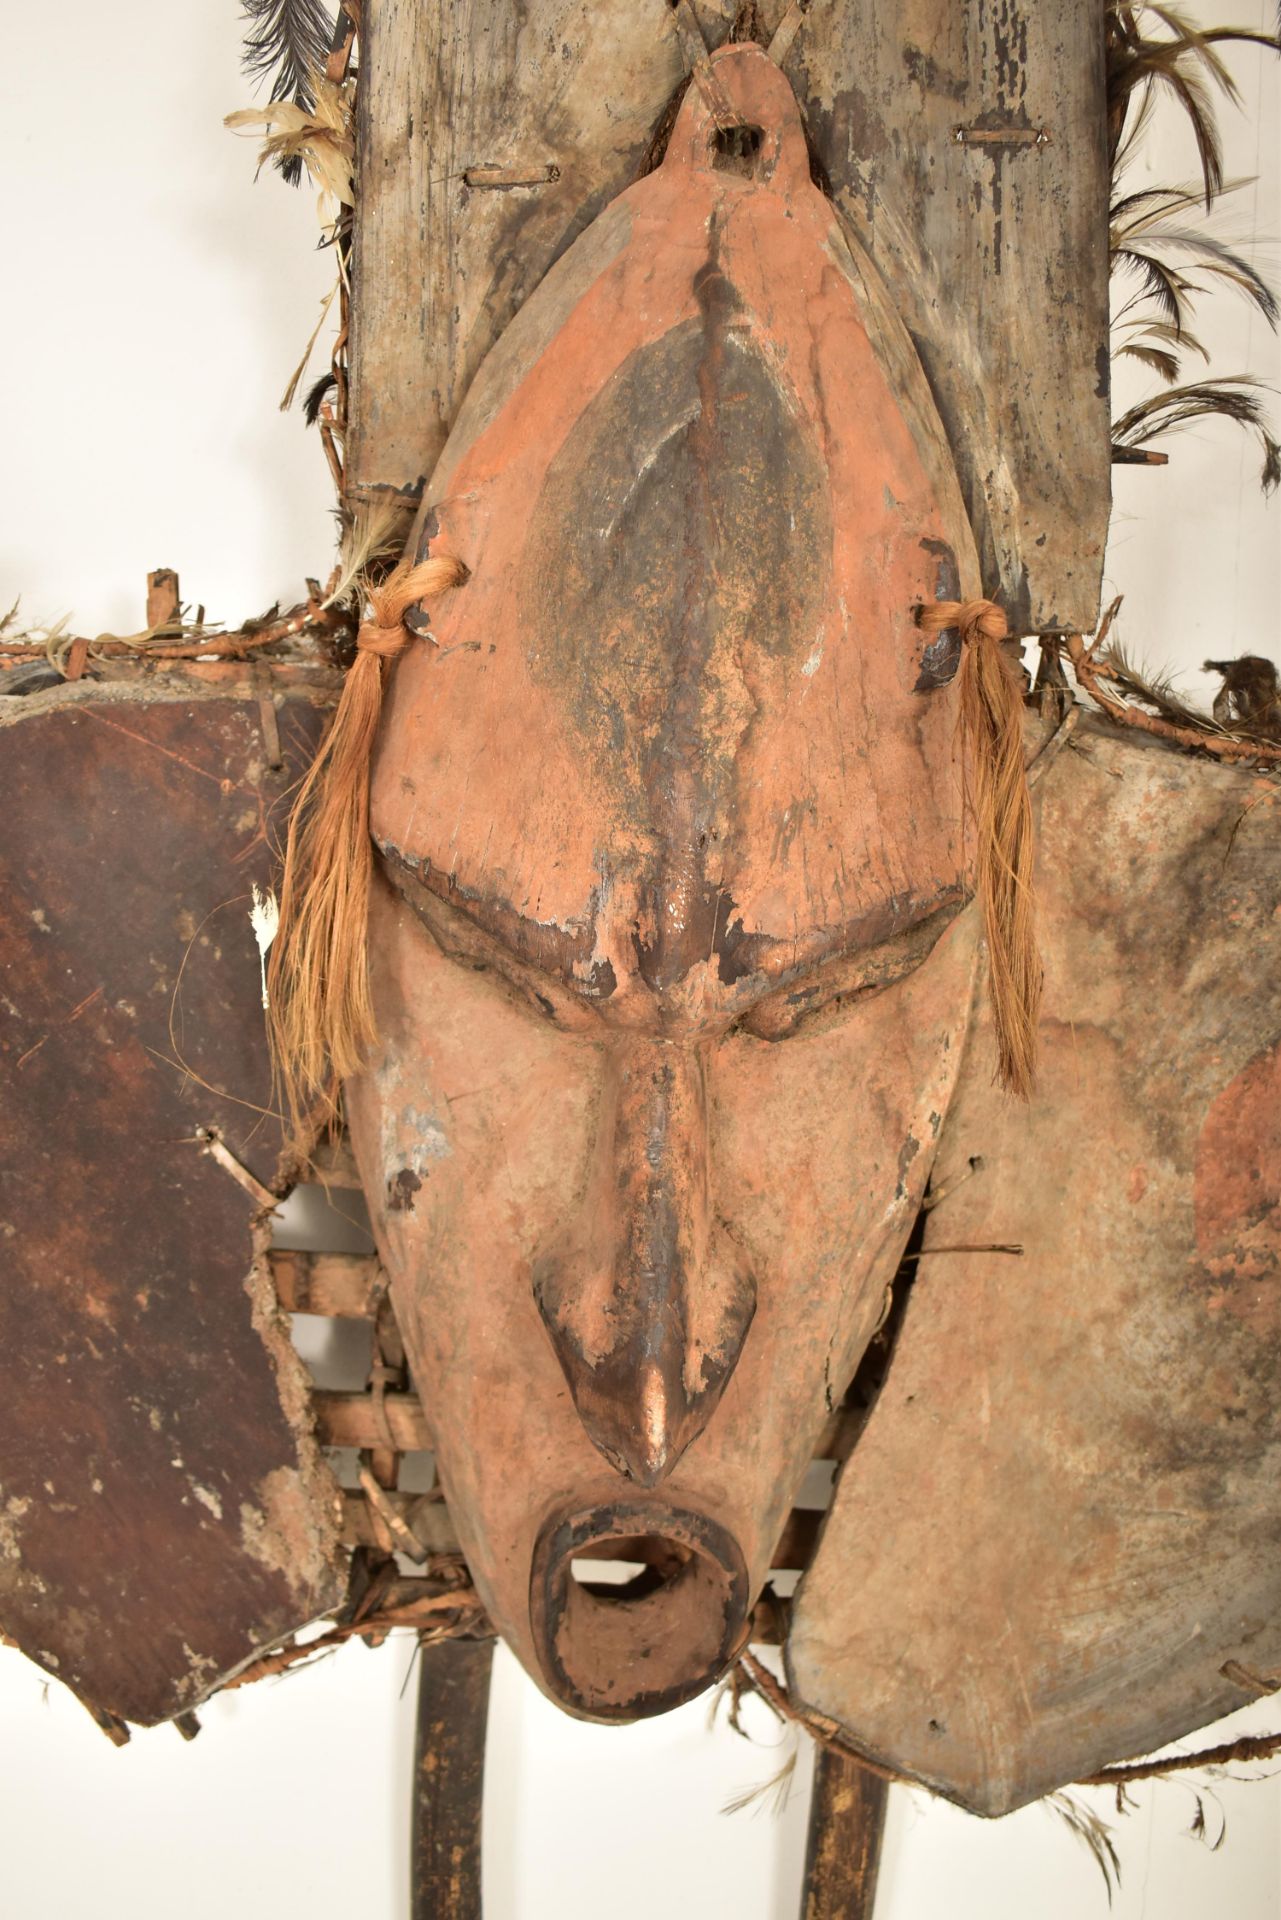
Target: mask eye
pixel 835 986
pixel 469 946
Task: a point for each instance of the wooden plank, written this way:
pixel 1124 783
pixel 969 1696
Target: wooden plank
pixel 443 257
pixel 490 136
pixel 427 1520
pixel 449 1779
pixel 344 1286
pixel 354 1420
pixel 994 248
pixel 164 1510
pixel 431 1525
pixel 843 1849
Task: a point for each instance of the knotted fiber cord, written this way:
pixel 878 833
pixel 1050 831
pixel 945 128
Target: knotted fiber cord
pixel 321 1017
pixel 997 797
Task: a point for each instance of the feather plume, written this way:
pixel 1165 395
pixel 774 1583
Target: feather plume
pixel 1151 47
pixel 264 918
pixel 1143 227
pixel 1154 689
pixel 772 1793
pixel 1234 397
pixel 1094 1834
pixel 375 531
pixel 287 40
pixel 318 137
pixel 317 394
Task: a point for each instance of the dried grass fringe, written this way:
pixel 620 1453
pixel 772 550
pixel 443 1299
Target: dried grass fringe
pixel 320 1015
pixel 998 799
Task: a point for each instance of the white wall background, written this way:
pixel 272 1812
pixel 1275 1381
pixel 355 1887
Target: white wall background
pixel 156 304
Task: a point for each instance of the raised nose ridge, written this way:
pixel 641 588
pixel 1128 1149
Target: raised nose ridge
pixel 646 1299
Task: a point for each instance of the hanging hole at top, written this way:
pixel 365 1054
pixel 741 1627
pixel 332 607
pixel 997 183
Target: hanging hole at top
pixel 737 150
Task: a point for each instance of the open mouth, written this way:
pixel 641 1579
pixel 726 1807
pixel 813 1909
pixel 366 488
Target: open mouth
pixel 631 1646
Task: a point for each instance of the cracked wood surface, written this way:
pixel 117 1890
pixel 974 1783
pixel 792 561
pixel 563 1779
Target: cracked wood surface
pixel 494 131
pixel 164 1512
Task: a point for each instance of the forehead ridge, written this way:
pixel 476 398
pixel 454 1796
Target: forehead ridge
pixel 669 725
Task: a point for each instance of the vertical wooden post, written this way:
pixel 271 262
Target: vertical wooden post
pixel 449 1779
pixel 843 1852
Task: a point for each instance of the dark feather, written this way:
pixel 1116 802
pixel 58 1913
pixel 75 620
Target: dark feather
pixel 1235 397
pixel 1250 697
pixel 1158 282
pixel 316 395
pixel 1159 359
pixel 1085 1825
pixel 289 41
pixel 1181 57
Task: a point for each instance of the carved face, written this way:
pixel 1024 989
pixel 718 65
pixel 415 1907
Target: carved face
pixel 665 947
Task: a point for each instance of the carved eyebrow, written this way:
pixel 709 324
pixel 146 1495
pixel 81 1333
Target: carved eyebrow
pixel 462 938
pixel 869 970
pixel 554 951
pixel 776 1012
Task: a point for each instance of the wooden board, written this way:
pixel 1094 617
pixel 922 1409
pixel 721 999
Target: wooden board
pixel 995 250
pixel 846 1832
pixel 163 1509
pixel 491 134
pixel 449 1779
pixel 1058 1541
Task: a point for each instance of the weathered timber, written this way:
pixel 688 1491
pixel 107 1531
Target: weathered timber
pixel 432 1528
pixel 394 1420
pixel 964 142
pixel 342 1286
pixel 449 1779
pixel 452 98
pixel 163 1507
pixel 428 1521
pixel 843 1849
pixel 491 135
pixel 1081 1449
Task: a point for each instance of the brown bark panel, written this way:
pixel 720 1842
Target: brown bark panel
pixel 1063 1520
pixel 163 1510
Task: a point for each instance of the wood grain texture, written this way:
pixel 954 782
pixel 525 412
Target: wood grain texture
pixel 843 1849
pixel 994 248
pixel 995 251
pixel 449 1779
pixel 444 258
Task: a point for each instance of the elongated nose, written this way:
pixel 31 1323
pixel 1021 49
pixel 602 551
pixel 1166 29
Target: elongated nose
pixel 646 1299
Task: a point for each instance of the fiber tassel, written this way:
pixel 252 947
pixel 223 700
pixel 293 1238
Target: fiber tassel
pixel 997 797
pixel 320 1015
